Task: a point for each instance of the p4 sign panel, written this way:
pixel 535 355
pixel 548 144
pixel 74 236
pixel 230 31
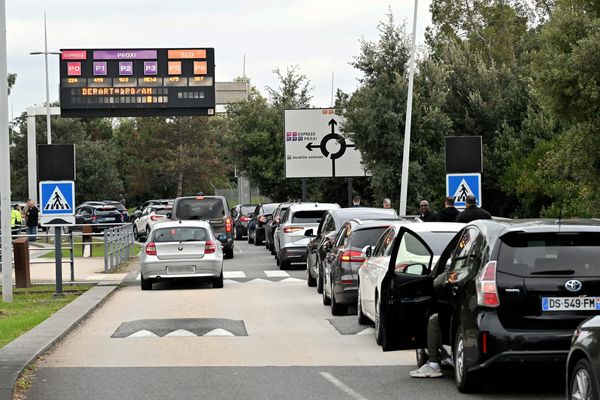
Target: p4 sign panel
pixel 316 148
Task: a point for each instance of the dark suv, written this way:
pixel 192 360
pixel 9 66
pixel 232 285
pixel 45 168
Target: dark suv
pixel 504 292
pixel 241 214
pixel 213 209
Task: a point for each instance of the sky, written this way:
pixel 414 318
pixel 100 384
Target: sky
pixel 320 37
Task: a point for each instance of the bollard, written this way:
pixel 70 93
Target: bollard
pixel 87 237
pixel 21 258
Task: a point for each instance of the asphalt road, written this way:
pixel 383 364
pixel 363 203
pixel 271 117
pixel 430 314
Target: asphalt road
pixel 265 335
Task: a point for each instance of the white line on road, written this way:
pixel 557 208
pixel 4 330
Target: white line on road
pixel 342 386
pixel 138 277
pixel 240 250
pixel 233 274
pixel 276 274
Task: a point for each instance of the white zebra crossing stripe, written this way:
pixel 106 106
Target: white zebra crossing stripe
pixel 259 280
pixel 180 333
pixel 219 332
pixel 291 280
pixel 234 274
pixel 231 281
pixel 276 274
pixel 142 334
pixel 366 331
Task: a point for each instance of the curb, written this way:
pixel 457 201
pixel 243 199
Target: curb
pixel 19 353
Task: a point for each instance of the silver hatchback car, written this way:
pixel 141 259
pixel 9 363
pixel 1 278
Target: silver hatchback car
pixel 181 249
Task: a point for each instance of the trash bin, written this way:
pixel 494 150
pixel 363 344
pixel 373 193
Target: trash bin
pixel 21 257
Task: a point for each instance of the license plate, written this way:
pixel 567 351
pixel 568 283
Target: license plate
pixel 570 303
pixel 181 269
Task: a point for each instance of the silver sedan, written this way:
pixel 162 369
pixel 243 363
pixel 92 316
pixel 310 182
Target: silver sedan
pixel 181 249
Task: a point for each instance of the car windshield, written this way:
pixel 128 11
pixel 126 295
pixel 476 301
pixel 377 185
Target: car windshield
pixel 308 217
pixel 182 234
pixel 437 241
pixel 269 208
pixel 557 253
pixel 247 209
pixel 206 208
pixel 366 237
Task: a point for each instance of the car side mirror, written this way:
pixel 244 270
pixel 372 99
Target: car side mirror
pixel 367 251
pixel 415 269
pixel 169 215
pixel 309 232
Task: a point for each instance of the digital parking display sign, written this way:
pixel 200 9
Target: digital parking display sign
pixel 137 82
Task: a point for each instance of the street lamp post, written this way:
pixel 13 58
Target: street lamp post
pixel 45 53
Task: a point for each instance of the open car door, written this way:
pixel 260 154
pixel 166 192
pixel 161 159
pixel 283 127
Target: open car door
pixel 407 293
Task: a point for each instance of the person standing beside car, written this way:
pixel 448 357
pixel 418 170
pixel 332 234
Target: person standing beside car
pixel 426 215
pixel 472 212
pixel 449 213
pixel 32 220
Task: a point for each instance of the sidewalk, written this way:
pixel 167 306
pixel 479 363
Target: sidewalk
pixel 19 353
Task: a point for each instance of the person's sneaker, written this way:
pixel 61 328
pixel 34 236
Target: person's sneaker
pixel 447 362
pixel 426 371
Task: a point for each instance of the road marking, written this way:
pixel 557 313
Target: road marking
pixel 276 274
pixel 342 386
pixel 233 274
pixel 291 280
pixel 143 333
pixel 181 333
pixel 367 331
pixel 230 281
pixel 259 280
pixel 219 332
pixel 138 277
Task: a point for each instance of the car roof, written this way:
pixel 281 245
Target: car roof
pixel 198 223
pixel 362 212
pixel 312 206
pixel 540 225
pixel 436 227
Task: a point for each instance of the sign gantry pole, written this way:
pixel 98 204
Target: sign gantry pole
pixel 7 289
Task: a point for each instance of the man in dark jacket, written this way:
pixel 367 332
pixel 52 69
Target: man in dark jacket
pixel 449 213
pixel 32 217
pixel 426 214
pixel 472 212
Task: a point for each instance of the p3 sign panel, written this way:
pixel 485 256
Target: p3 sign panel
pixel 57 202
pixel 460 186
pixel 316 148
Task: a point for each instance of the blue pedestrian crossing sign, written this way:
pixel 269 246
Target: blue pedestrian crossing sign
pixel 57 202
pixel 460 186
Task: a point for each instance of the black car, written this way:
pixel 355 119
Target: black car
pixel 119 207
pixel 101 216
pixel 262 214
pixel 213 209
pixel 322 239
pixel 138 211
pixel 504 292
pixel 272 224
pixel 583 364
pixel 342 261
pixel 241 215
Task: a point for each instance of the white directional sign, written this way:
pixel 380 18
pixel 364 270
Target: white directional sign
pixel 315 147
pixel 460 186
pixel 57 202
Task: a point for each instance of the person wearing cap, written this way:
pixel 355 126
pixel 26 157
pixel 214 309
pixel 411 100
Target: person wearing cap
pixel 387 203
pixel 426 214
pixel 472 212
pixel 449 213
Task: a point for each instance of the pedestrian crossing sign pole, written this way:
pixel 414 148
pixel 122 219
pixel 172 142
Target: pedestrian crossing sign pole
pixel 57 203
pixel 459 186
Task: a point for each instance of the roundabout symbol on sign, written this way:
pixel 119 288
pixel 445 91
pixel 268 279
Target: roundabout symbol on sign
pixel 323 145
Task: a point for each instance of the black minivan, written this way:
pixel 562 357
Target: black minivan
pixel 213 209
pixel 504 292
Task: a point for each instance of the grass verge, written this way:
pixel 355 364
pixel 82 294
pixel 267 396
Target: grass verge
pixel 97 251
pixel 32 306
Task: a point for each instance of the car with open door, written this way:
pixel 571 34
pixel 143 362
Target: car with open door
pixel 505 292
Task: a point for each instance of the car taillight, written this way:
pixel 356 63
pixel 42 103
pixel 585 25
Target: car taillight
pixel 151 249
pixel 352 256
pixel 484 342
pixel 292 229
pixel 210 247
pixel 155 217
pixel 244 219
pixel 487 290
pixel 94 217
pixel 228 225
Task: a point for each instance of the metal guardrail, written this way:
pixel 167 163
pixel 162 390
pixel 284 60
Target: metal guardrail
pixel 118 246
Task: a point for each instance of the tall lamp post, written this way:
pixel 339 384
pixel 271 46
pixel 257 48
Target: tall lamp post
pixel 45 53
pixel 406 153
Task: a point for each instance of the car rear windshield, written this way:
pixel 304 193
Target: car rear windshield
pixel 366 237
pixel 247 209
pixel 106 211
pixel 437 241
pixel 307 217
pixel 164 211
pixel 543 254
pixel 183 234
pixel 206 208
pixel 269 208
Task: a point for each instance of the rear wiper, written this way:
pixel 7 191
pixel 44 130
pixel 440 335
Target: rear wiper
pixel 554 272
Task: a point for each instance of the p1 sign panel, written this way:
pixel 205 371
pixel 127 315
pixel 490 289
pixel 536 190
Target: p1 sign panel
pixel 315 147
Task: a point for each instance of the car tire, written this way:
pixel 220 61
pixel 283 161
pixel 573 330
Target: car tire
pixel 380 321
pixel 466 381
pixel 217 283
pixel 145 284
pixel 326 300
pixel 337 308
pixel 236 233
pixel 228 253
pixel 148 232
pixel 250 238
pixel 422 357
pixel 310 281
pixel 136 234
pixel 583 371
pixel 319 281
pixel 284 264
pixel 257 240
pixel 362 318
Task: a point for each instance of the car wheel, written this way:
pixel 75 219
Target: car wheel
pixel 312 282
pixel 257 240
pixel 236 233
pixel 218 282
pixel 250 238
pixel 582 384
pixel 362 318
pixel 284 264
pixel 319 281
pixel 337 308
pixel 145 284
pixel 326 300
pixel 466 381
pixel 422 357
pixel 228 253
